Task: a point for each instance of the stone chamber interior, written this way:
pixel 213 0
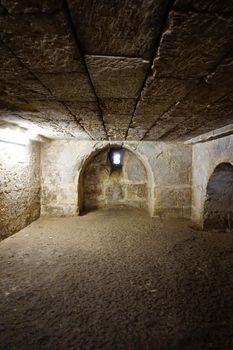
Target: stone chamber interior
pixel 125 252
pixel 106 186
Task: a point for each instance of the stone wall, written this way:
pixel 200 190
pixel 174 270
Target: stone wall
pixel 218 209
pixel 106 187
pixel 168 167
pixel 206 157
pixel 19 186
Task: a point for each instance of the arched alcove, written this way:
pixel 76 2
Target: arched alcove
pixel 218 208
pixel 100 186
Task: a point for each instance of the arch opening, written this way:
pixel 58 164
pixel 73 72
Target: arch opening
pixel 218 208
pixel 102 185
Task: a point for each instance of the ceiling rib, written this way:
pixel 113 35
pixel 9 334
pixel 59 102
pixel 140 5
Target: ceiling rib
pixel 45 87
pixel 155 50
pixel 190 91
pixel 78 43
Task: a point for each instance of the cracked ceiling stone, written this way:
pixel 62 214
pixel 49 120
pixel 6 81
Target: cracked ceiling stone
pixel 192 45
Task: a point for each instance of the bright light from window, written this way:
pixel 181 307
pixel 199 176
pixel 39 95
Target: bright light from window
pixel 116 158
pixel 16 135
pixel 31 134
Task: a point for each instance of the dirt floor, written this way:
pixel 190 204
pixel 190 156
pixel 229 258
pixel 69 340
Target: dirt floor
pixel 116 279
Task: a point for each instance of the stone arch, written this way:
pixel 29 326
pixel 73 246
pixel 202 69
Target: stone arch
pixel 218 206
pixel 104 148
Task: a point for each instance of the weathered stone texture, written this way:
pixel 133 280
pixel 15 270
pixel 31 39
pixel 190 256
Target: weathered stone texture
pixel 218 209
pixel 118 28
pixel 105 187
pixel 41 62
pixel 42 42
pixel 100 53
pixel 31 6
pixel 117 77
pixel 207 5
pixel 117 82
pixel 206 157
pixel 166 169
pixel 176 101
pixel 19 186
pixel 157 97
pixel 193 44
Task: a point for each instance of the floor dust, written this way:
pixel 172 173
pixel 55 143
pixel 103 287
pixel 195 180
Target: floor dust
pixel 116 279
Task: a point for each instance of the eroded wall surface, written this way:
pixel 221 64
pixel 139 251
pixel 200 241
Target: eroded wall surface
pixel 168 168
pixel 106 187
pixel 206 157
pixel 218 208
pixel 19 186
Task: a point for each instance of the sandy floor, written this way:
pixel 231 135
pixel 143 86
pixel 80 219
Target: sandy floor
pixel 116 280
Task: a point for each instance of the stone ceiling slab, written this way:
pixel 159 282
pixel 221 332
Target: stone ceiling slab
pixel 68 86
pixel 118 28
pixel 121 106
pixel 213 116
pixel 16 80
pixel 117 126
pixel 88 115
pixel 42 45
pixel 164 124
pixel 207 5
pixel 117 77
pixel 106 86
pixel 117 114
pixel 193 44
pixel 157 97
pixel 42 42
pixel 52 110
pixel 31 6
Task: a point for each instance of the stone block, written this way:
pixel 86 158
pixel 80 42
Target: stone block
pixel 115 193
pixel 117 77
pixel 173 197
pixel 134 169
pixel 136 191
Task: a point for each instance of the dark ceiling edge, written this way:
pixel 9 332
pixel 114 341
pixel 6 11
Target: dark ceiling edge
pixel 192 9
pixel 81 50
pixel 202 80
pixel 155 52
pixel 45 87
pixel 193 129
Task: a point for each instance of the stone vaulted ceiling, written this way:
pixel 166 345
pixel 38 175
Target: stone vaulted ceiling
pixel 117 69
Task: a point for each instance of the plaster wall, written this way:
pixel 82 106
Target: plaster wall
pixel 19 186
pixel 206 157
pixel 168 168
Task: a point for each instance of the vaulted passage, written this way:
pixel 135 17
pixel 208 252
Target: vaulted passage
pixel 111 185
pixel 218 211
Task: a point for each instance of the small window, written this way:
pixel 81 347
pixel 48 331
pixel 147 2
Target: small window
pixel 116 157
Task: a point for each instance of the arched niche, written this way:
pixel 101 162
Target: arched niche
pixel 218 207
pixel 99 186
